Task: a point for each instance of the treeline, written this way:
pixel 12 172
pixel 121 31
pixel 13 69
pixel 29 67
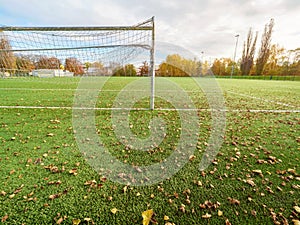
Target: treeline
pixel 24 64
pixel 281 62
pixel 173 66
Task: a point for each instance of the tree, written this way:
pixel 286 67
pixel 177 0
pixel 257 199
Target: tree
pixel 7 58
pixel 74 65
pixel 127 70
pixel 48 63
pixel 24 64
pixel 264 50
pixel 169 70
pixel 178 66
pixel 275 61
pixel 248 53
pixel 217 67
pixel 144 69
pixel 222 67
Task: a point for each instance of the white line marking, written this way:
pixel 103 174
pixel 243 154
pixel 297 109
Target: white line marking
pixel 262 99
pixel 102 90
pixel 146 109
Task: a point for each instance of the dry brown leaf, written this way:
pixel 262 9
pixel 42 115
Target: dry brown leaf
pixel 4 218
pixel 257 171
pixel 73 171
pixel 297 209
pixel 54 196
pixel 251 182
pixel 19 189
pixel 206 216
pixel 296 222
pixel 50 135
pixel 227 222
pixel 11 196
pixel 192 157
pixel 234 201
pixel 60 220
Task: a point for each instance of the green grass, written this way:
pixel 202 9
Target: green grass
pixel 39 155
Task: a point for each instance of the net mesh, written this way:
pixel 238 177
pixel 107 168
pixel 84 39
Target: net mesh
pixel 80 50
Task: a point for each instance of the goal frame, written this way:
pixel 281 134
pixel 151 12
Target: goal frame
pixel 140 26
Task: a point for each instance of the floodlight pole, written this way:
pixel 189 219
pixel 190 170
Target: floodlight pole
pixel 236 43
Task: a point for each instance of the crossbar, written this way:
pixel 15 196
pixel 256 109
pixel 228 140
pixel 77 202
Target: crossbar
pixel 73 48
pixel 5 28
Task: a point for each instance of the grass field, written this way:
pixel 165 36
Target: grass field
pixel 254 179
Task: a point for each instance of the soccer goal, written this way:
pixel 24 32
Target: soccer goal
pixel 78 51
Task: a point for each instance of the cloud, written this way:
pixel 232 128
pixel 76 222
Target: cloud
pixel 198 25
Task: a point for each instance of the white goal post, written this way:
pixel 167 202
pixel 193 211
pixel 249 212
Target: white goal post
pixel 82 51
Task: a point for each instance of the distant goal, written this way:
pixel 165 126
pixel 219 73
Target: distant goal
pixel 95 51
pixel 78 51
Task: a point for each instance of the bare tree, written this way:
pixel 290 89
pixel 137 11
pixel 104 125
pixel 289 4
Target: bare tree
pixel 264 51
pixel 248 53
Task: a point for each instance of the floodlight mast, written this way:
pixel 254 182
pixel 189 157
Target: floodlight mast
pixel 236 43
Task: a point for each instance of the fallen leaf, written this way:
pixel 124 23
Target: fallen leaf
pixel 125 189
pixel 87 219
pixel 166 218
pixel 233 201
pixel 19 189
pixel 91 183
pixel 257 171
pixel 251 182
pixel 4 218
pixel 11 196
pixel 147 215
pixel 192 157
pixel 292 171
pixel 227 222
pixel 76 221
pixel 220 213
pixel 296 222
pixel 54 196
pixel 114 210
pixel 206 216
pixel 60 220
pixel 297 208
pixel 73 171
pixel 253 213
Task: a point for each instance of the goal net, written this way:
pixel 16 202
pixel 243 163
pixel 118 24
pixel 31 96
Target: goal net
pixel 77 51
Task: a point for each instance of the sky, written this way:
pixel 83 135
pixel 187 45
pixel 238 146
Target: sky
pixel 206 28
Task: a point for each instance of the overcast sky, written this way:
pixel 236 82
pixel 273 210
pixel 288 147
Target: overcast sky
pixel 197 25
